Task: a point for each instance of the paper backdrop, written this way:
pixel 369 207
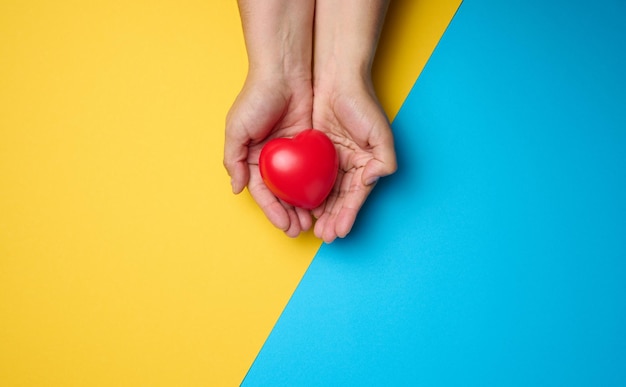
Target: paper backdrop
pixel 124 258
pixel 496 255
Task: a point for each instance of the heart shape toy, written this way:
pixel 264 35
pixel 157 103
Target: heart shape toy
pixel 301 170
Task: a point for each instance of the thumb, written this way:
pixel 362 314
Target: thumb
pixel 375 169
pixel 383 162
pixel 236 160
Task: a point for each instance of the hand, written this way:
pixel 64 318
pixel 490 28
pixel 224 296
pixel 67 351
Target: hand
pixel 267 107
pixel 351 116
pixel 275 103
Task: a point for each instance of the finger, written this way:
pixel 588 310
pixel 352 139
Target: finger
pixel 383 164
pixel 235 157
pixel 240 177
pixel 329 234
pixel 271 207
pixel 324 212
pixel 333 207
pixel 384 161
pixel 352 203
pixel 306 220
pixel 318 228
pixel 353 197
pixel 375 169
pixel 317 212
pixel 294 225
pixel 294 220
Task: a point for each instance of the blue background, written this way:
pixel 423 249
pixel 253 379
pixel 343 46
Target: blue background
pixel 496 254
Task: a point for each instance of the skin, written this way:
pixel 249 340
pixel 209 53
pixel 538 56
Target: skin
pixel 293 84
pixel 346 108
pixel 276 99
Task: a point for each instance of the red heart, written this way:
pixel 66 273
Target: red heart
pixel 302 170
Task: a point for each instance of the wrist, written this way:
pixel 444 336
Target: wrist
pixel 277 71
pixel 279 38
pixel 337 72
pixel 339 76
pixel 346 36
pixel 282 57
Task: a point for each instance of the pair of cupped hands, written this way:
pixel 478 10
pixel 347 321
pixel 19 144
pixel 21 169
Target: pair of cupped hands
pixel 348 113
pixel 283 97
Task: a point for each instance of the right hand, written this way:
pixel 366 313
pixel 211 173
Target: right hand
pixel 267 107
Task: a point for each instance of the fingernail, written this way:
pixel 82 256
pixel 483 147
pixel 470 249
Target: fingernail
pixel 371 180
pixel 232 186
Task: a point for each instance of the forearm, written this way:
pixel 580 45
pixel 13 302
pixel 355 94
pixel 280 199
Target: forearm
pixel 346 36
pixel 278 36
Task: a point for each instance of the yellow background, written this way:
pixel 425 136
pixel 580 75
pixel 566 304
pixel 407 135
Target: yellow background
pixel 124 257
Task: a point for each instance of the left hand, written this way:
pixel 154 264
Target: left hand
pixel 350 114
